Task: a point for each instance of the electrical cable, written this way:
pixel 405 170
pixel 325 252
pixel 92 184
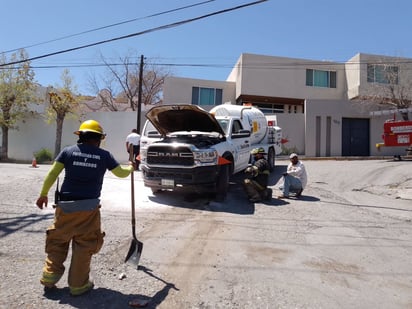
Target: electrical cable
pixel 167 26
pixel 109 26
pixel 260 66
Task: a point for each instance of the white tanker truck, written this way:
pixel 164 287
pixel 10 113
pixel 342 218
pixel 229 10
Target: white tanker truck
pixel 199 150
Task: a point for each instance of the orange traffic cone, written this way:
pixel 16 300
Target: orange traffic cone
pixel 34 162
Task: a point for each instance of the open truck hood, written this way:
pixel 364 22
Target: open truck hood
pixel 182 117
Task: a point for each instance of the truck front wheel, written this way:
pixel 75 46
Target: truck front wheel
pixel 156 191
pixel 222 183
pixel 271 159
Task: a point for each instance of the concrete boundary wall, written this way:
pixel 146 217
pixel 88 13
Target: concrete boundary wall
pixel 34 134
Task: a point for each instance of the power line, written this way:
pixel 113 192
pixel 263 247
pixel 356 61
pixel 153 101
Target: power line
pixel 263 65
pixel 167 26
pixel 109 26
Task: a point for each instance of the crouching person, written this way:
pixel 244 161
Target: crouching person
pixel 257 179
pixel 295 178
pixel 77 214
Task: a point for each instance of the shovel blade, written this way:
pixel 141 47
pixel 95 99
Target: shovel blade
pixel 134 253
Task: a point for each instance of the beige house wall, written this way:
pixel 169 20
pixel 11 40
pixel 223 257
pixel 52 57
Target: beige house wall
pixel 337 110
pixel 285 77
pixel 293 129
pixel 178 90
pixel 323 109
pixel 357 79
pixel 353 76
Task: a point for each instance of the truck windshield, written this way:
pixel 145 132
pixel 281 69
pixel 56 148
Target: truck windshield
pixel 149 129
pixel 224 123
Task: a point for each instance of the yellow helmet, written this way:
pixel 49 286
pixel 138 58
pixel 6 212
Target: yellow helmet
pixel 90 126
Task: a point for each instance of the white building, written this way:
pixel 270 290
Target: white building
pixel 315 101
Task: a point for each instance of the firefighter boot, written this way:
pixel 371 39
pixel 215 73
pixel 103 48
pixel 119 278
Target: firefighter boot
pixel 267 194
pixel 251 191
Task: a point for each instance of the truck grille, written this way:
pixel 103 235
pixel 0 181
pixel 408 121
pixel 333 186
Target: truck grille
pixel 166 155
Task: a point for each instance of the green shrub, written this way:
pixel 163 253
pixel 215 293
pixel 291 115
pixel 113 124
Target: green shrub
pixel 43 155
pixel 288 151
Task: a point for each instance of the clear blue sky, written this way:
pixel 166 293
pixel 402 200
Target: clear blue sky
pixel 317 30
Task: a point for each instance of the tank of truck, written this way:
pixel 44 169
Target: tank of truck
pixel 251 117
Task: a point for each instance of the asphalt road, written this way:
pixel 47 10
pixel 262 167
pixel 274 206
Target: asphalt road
pixel 346 243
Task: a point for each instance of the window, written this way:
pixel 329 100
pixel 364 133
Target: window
pixel 293 109
pixel 206 96
pixel 268 108
pixel 237 126
pixel 383 74
pixel 317 78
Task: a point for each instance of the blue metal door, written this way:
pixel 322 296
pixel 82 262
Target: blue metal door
pixel 355 137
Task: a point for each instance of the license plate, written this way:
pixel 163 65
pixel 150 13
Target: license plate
pixel 168 182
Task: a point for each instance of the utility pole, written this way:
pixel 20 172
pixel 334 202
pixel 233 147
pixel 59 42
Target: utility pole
pixel 139 96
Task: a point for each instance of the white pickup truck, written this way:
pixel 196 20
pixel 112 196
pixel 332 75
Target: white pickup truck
pixel 198 150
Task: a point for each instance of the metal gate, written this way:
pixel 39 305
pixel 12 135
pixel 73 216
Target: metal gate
pixel 355 137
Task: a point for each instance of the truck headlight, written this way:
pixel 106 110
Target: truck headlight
pixel 209 156
pixel 143 154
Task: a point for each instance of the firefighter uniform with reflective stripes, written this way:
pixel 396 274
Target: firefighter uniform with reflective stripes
pixel 77 215
pixel 256 184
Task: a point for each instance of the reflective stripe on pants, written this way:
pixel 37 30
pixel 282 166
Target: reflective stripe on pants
pixel 82 228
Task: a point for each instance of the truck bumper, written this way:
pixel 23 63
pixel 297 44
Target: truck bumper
pixel 199 179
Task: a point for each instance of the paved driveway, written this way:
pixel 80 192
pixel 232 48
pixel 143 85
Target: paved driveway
pixel 347 243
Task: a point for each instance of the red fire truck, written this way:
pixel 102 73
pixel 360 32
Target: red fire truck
pixel 397 133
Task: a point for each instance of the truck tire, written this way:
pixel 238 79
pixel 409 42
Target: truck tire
pixel 156 191
pixel 222 184
pixel 271 159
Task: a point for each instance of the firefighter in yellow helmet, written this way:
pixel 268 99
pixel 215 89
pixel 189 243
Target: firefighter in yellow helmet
pixel 91 126
pixel 256 182
pixel 77 214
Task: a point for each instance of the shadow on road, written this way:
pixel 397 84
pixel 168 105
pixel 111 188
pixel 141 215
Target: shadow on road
pixel 161 295
pixel 276 174
pixel 14 224
pixel 102 297
pixel 236 201
pixel 97 298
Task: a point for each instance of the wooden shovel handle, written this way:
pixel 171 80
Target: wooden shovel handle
pixel 132 159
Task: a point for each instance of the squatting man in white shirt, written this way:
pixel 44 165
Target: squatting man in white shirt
pixel 295 178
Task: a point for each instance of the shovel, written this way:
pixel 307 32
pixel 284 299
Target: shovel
pixel 136 247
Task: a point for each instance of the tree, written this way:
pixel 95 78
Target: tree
pixel 106 95
pixel 62 102
pixel 16 92
pixel 121 83
pixel 390 84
